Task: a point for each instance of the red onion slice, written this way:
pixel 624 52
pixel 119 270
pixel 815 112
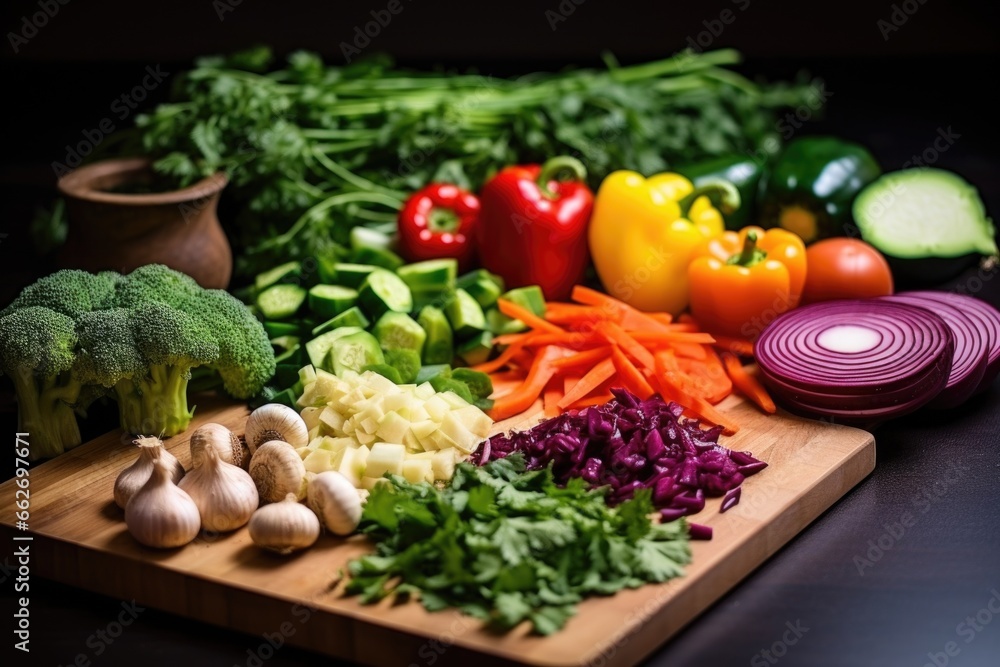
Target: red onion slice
pixel 854 359
pixel 971 348
pixel 988 323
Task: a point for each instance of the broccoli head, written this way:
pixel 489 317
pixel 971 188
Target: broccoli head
pixel 137 337
pixel 38 351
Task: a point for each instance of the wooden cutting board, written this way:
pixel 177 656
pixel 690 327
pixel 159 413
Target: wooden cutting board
pixel 79 538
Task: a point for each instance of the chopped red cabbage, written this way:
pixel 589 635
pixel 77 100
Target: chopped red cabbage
pixel 629 444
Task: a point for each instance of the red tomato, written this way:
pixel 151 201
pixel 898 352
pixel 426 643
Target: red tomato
pixel 843 268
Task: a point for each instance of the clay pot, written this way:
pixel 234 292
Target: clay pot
pixel 120 232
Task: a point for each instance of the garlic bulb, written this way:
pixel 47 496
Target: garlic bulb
pixel 275 422
pixel 224 441
pixel 225 495
pixel 284 527
pixel 335 501
pixel 160 514
pixel 277 470
pixel 132 478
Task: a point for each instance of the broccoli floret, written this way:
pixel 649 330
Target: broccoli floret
pixel 37 351
pixel 156 283
pixel 70 292
pixel 246 357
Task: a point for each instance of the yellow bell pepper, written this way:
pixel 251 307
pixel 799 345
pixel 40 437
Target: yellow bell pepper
pixel 645 231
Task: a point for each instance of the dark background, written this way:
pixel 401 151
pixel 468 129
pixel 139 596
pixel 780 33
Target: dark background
pixel 936 73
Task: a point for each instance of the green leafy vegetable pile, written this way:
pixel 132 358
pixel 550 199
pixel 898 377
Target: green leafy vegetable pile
pixel 505 545
pixel 313 150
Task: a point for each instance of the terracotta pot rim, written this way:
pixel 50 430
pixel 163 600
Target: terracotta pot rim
pixel 79 184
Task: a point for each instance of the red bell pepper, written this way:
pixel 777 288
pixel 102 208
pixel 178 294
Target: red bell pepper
pixel 438 222
pixel 533 226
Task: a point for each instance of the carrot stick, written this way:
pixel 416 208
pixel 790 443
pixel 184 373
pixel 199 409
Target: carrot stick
pixel 567 339
pixel 691 351
pixel 630 317
pixel 672 337
pixel 510 339
pixel 616 335
pixel 748 385
pixel 511 309
pixel 696 406
pixel 737 346
pixel 521 398
pixel 662 318
pixel 503 358
pixel 587 358
pixel 551 396
pixel 595 399
pixel 604 370
pixel 630 375
pixel 708 376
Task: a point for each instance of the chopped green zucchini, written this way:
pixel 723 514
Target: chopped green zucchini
pixel 465 315
pixel 383 291
pixel 352 317
pixel 352 275
pixel 279 302
pixel 285 273
pixel 406 362
pixel 354 351
pixel 432 282
pixel 428 372
pixel 279 329
pixel 479 383
pixel 396 331
pixel 483 286
pixel 328 301
pixel 477 349
pixel 318 348
pixel 442 383
pixel 386 371
pixel 381 257
pixel 439 347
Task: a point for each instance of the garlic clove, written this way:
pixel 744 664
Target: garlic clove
pixel 160 514
pixel 277 470
pixel 284 526
pixel 275 422
pixel 229 446
pixel 132 478
pixel 335 501
pixel 226 496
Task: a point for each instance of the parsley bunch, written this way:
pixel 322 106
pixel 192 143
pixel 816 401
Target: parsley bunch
pixel 505 545
pixel 312 150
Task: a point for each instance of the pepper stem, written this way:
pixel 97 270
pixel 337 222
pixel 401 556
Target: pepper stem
pixel 750 254
pixel 723 195
pixel 561 168
pixel 442 220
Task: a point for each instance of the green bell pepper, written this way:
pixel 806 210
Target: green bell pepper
pixel 740 170
pixel 810 186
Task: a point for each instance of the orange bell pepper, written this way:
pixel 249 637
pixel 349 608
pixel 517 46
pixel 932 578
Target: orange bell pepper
pixel 741 281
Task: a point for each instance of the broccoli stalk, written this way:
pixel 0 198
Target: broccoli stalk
pixel 36 352
pixel 155 403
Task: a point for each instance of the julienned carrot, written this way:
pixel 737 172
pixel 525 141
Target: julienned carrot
pixel 696 405
pixel 737 346
pixel 511 309
pixel 630 375
pixel 748 384
pixel 630 317
pixel 593 399
pixel 586 358
pixel 673 337
pixel 603 371
pixel 551 396
pixel 521 399
pixel 708 375
pixel 618 336
pixel 503 359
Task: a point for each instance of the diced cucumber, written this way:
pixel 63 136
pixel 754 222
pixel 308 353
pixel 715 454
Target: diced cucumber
pixel 398 331
pixel 279 329
pixel 352 275
pixel 443 384
pixel 465 315
pixel 352 317
pixel 439 273
pixel 326 301
pixel 354 351
pixel 477 349
pixel 432 371
pixel 279 302
pixel 483 286
pixel 285 342
pixel 406 362
pixel 326 269
pixel 318 348
pixel 529 297
pixel 381 257
pixel 438 348
pixel 285 273
pixel 291 355
pixel 383 291
pixel 386 371
pixel 479 383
